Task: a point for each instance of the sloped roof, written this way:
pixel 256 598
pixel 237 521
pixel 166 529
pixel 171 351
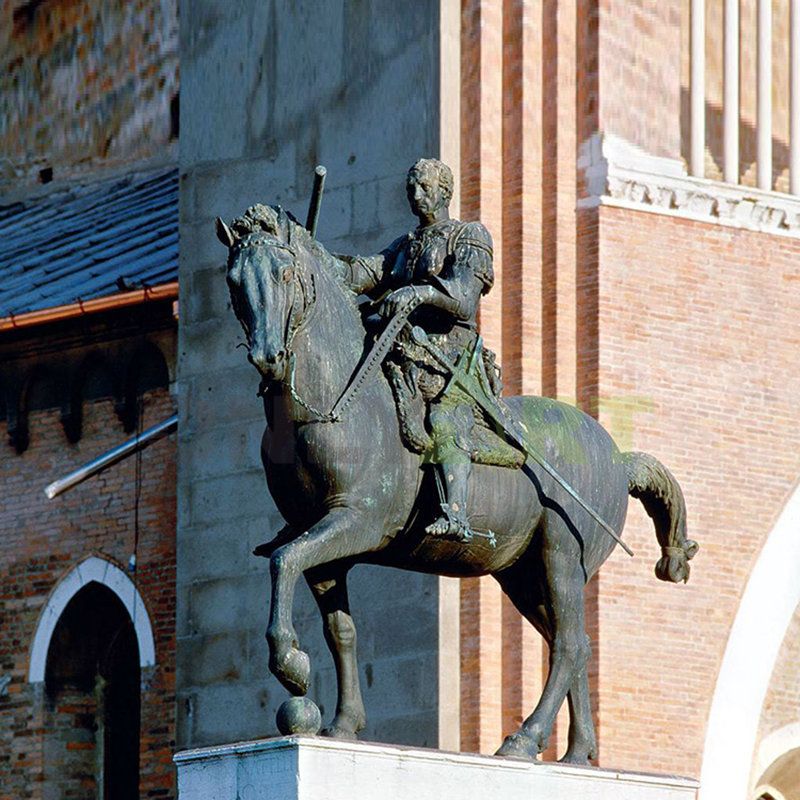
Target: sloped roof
pixel 89 241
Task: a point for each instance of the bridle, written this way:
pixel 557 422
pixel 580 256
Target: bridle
pixel 296 321
pixel 304 290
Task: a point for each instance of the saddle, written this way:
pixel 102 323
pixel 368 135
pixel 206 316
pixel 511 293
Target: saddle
pixel 415 384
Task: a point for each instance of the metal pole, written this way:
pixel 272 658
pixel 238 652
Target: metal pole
pixel 112 456
pixel 316 200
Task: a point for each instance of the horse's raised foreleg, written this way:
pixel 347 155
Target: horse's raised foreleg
pixel 339 535
pixel 329 587
pixel 564 583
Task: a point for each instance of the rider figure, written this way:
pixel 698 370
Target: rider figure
pixel 447 264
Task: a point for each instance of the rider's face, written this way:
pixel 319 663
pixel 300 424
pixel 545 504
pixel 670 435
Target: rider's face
pixel 424 194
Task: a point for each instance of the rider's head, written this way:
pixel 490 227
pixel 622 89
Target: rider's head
pixel 429 187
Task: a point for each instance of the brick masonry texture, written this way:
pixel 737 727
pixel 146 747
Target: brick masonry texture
pixel 682 337
pixel 698 333
pixel 40 542
pixel 85 85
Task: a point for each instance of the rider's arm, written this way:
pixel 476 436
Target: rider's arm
pixel 366 273
pixel 470 276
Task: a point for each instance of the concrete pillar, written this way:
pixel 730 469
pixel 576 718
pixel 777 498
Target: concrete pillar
pixel 730 103
pixel 764 88
pixel 698 88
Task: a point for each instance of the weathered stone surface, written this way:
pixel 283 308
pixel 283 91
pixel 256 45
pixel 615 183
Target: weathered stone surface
pixel 270 90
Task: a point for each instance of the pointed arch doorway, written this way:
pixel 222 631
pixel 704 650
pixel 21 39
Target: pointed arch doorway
pixel 92 641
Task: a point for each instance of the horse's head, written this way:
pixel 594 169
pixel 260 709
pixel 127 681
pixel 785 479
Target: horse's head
pixel 269 295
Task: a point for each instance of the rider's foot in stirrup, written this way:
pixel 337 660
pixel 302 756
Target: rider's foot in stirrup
pixel 452 524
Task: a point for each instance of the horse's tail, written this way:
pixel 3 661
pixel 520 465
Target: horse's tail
pixel 652 483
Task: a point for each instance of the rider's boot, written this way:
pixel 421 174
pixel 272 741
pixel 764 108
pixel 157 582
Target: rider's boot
pixel 453 522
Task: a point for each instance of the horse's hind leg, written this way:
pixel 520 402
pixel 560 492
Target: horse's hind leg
pixel 582 742
pixel 329 587
pixel 562 617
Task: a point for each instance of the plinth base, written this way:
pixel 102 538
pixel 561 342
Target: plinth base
pixel 300 768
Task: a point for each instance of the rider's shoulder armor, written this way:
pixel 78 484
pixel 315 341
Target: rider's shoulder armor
pixel 472 242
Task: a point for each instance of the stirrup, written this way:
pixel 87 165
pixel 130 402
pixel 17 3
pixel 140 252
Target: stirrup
pixel 464 532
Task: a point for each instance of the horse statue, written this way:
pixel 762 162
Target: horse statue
pixel 352 493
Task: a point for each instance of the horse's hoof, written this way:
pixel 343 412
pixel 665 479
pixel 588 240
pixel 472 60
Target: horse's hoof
pixel 580 759
pixel 293 671
pixel 345 726
pixel 343 734
pixel 519 745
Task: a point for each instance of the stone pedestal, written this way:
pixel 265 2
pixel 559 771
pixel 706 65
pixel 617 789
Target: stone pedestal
pixel 298 768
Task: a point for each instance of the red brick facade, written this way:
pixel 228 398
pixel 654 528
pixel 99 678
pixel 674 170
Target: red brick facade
pixel 86 85
pixel 41 541
pixel 681 335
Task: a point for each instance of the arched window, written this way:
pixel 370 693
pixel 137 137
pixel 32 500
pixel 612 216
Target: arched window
pixel 92 641
pixel 92 699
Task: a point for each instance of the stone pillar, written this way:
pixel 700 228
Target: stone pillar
pixel 268 91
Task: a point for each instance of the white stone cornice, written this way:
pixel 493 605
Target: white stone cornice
pixel 618 173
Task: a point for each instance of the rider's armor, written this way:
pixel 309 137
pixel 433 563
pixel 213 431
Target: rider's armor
pixel 447 255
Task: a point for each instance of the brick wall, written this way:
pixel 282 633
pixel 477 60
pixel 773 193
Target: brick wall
pixel 681 336
pixel 640 53
pixel 41 541
pixel 698 339
pixel 86 84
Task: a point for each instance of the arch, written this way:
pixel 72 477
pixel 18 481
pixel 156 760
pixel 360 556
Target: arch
pixel 93 378
pixel 775 744
pixel 770 598
pixel 769 791
pixel 101 571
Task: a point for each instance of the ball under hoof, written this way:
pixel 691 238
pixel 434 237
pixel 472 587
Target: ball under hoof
pixel 299 715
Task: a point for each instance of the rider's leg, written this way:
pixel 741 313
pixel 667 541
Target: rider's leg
pixel 450 431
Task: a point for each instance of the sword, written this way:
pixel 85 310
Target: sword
pixel 461 377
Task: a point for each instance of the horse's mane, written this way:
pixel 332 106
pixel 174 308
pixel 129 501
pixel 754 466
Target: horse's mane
pixel 284 226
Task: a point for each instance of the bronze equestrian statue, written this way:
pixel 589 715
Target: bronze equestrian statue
pixel 390 444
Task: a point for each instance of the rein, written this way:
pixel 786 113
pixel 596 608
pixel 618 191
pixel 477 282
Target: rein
pixel 369 365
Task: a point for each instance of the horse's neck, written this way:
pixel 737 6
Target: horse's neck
pixel 329 346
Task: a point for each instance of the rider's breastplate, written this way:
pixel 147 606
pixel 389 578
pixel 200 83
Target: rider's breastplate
pixel 425 254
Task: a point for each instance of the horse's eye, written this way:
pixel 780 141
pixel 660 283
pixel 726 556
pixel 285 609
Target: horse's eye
pixel 286 274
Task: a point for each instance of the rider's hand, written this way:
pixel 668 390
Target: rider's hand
pixel 399 298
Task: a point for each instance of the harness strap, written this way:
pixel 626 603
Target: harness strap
pixel 373 361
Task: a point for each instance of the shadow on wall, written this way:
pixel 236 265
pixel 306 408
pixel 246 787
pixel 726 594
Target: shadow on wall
pixel 747 147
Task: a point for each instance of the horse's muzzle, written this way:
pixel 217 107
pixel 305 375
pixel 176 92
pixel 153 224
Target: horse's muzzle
pixel 270 368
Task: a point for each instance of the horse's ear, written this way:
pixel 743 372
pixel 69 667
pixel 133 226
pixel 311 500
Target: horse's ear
pixel 224 233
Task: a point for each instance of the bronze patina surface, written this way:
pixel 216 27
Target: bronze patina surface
pixel 388 442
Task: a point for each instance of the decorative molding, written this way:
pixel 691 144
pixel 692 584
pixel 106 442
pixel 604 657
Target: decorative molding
pixel 100 571
pixel 618 173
